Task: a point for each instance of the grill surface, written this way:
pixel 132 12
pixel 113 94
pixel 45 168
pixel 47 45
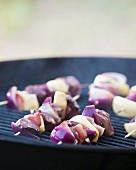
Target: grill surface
pixel 24 72
pixel 9 115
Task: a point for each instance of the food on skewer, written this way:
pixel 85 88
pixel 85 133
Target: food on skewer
pixel 113 82
pixel 73 85
pixel 42 91
pixel 106 93
pixel 49 115
pixel 69 85
pixel 101 118
pixel 105 87
pixel 29 126
pixel 17 99
pixel 21 100
pixel 83 129
pixel 99 97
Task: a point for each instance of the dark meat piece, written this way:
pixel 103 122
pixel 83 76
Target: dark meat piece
pixel 74 85
pixel 42 91
pixel 49 121
pixel 73 108
pixel 100 117
pixel 104 119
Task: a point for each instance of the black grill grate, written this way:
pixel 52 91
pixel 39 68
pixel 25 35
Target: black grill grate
pixel 22 73
pixel 9 115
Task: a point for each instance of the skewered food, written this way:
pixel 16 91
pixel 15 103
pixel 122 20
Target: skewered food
pixel 113 82
pixel 51 113
pixel 34 95
pixel 69 85
pixel 21 100
pixel 99 97
pixel 29 126
pixel 105 87
pixel 83 129
pixel 101 118
pixel 42 91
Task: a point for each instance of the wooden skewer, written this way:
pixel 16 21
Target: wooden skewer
pixel 76 97
pixel 3 103
pixel 130 133
pixel 6 102
pixel 85 85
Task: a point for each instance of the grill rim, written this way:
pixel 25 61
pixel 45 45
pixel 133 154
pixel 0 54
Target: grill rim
pixel 68 147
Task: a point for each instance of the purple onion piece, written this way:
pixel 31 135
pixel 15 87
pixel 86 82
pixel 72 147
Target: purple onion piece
pixel 133 120
pixel 101 103
pixel 104 119
pixel 25 125
pixel 57 109
pixel 47 100
pixel 91 112
pixel 28 125
pixel 59 134
pixel 132 97
pixel 101 98
pixel 21 132
pixel 15 128
pixel 11 98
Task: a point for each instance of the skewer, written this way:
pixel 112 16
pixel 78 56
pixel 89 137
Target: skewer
pixel 6 102
pixel 76 97
pixel 85 85
pixel 130 133
pixel 3 103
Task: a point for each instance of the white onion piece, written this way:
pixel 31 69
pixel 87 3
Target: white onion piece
pixel 60 100
pixel 112 85
pixel 124 107
pixel 99 128
pixel 29 101
pixel 42 127
pixel 58 85
pixel 117 76
pixel 130 129
pixel 46 108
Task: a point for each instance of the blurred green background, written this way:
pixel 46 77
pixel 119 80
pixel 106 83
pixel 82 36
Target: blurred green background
pixel 46 28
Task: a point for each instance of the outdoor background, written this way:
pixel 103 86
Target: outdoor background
pixel 46 28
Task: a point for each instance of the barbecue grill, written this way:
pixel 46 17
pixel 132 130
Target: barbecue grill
pixel 18 152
